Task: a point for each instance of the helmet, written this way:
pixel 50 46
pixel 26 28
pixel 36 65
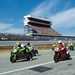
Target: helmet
pixel 22 45
pixel 60 41
pixel 19 44
pixel 28 43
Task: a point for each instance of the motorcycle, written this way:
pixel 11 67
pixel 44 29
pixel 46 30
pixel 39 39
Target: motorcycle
pixel 19 53
pixel 34 52
pixel 61 55
pixel 71 47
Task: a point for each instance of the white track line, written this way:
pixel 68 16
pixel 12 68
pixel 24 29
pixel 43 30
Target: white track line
pixel 21 69
pixel 15 70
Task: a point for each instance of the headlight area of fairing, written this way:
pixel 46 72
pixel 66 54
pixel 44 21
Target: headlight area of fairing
pixel 14 51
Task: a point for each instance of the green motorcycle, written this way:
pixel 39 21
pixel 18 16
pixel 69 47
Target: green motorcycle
pixel 71 47
pixel 20 53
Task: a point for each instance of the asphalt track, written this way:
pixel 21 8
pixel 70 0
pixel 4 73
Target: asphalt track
pixel 41 65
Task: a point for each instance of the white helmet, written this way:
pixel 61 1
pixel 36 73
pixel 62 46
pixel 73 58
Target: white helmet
pixel 60 41
pixel 22 45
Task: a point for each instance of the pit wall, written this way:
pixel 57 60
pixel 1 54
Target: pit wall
pixel 7 45
pixel 43 46
pixel 39 47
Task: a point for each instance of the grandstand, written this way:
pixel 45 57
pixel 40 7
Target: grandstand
pixel 38 26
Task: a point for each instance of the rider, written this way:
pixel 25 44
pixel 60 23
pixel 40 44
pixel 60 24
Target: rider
pixel 29 49
pixel 70 45
pixel 61 45
pixel 18 44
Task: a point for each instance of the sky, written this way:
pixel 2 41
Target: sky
pixel 60 12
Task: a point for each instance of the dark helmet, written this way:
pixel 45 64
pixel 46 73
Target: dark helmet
pixel 28 43
pixel 19 44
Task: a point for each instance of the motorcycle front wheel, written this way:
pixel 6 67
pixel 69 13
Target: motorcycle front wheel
pixel 12 59
pixel 55 59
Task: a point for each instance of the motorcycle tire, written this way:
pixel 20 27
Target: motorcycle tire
pixel 56 59
pixel 12 59
pixel 36 51
pixel 68 57
pixel 28 57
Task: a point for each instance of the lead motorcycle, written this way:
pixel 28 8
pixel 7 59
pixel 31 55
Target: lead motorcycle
pixel 19 53
pixel 61 55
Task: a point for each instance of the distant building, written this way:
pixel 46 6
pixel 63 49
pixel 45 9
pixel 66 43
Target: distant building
pixel 38 26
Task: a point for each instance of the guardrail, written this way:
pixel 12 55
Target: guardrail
pixel 37 44
pixel 12 43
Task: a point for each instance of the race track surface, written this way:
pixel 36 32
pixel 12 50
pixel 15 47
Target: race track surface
pixel 41 65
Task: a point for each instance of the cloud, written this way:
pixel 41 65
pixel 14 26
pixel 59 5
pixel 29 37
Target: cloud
pixel 9 28
pixel 51 7
pixel 15 31
pixel 60 12
pixel 65 22
pixel 44 8
pixel 4 26
pixel 64 17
